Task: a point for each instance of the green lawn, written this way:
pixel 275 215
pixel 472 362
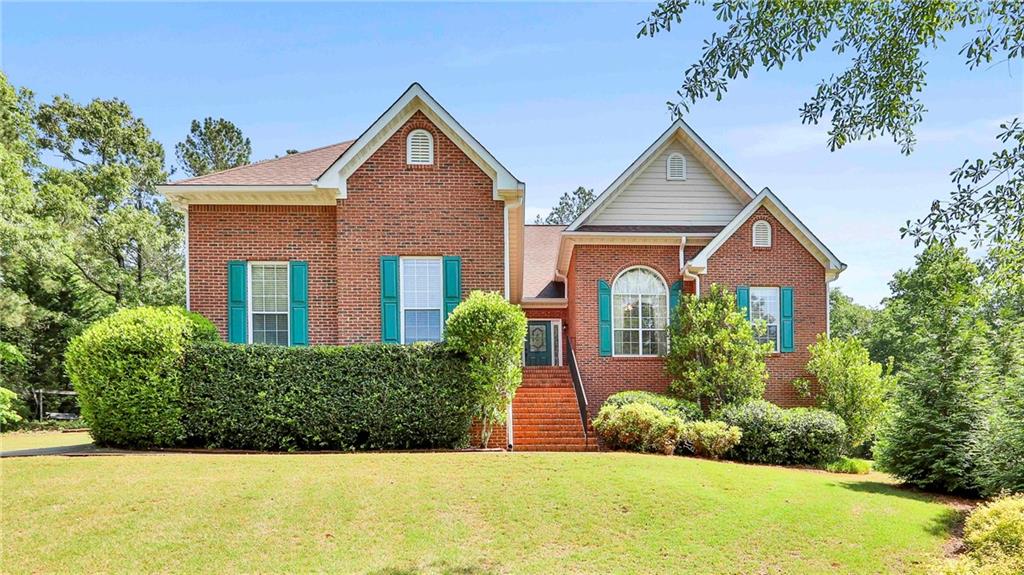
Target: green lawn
pixel 38 439
pixel 463 513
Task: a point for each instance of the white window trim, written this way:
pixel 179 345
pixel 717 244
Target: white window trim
pixel 753 233
pixel 408 147
pixel 778 312
pixel 641 330
pixel 668 163
pixel 555 332
pixel 248 295
pixel 401 293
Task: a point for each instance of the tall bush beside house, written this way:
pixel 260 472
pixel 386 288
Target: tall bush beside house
pixel 126 369
pixel 490 331
pixel 938 409
pixel 713 356
pixel 851 385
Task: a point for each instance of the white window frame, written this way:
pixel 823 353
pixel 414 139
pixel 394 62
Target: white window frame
pixel 401 295
pixel 408 147
pixel 778 311
pixel 753 233
pixel 640 330
pixel 288 296
pixel 668 167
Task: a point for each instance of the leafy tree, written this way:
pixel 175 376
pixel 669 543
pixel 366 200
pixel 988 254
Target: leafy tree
pixel 212 146
pixel 848 318
pixel 121 237
pixel 878 93
pixel 938 407
pixel 999 451
pixel 18 158
pixel 490 331
pixel 713 355
pixel 851 385
pixel 569 207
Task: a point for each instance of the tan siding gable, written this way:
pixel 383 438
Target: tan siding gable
pixel 651 199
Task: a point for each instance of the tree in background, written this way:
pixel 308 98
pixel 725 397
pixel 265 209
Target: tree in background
pixel 713 356
pixel 938 408
pixel 878 94
pixel 569 207
pixel 121 236
pixel 848 318
pixel 212 146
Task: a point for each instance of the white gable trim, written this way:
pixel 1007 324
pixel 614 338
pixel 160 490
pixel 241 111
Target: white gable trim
pixel 681 129
pixel 415 98
pixel 833 267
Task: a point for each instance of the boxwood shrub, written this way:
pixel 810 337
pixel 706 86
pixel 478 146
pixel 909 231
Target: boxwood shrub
pixel 355 397
pixel 126 369
pixel 686 410
pixel 771 434
pixel 638 427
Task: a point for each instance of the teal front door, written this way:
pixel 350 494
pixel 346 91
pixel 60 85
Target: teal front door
pixel 538 343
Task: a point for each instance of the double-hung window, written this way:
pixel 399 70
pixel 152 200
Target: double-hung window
pixel 640 313
pixel 268 291
pixel 422 299
pixel 764 307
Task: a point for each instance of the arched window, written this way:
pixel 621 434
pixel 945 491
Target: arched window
pixel 639 313
pixel 419 148
pixel 762 234
pixel 676 167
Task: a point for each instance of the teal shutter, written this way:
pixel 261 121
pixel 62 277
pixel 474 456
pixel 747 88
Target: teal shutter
pixel 238 312
pixel 743 300
pixel 452 283
pixel 604 318
pixel 786 343
pixel 298 307
pixel 674 293
pixel 389 310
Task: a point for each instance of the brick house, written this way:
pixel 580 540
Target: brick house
pixel 378 238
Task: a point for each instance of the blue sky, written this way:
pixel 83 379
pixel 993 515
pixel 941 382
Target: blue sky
pixel 563 94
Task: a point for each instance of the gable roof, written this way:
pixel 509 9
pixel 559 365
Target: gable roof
pixel 681 130
pixel 413 99
pixel 290 170
pixel 766 198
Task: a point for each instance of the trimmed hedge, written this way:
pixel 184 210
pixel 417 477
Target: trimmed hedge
pixel 686 410
pixel 126 369
pixel 638 427
pixel 355 397
pixel 771 434
pixel 709 438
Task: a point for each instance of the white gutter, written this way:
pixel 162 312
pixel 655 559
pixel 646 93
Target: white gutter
pixel 684 269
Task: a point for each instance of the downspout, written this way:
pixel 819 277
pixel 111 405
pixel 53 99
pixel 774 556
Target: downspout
pixel 683 268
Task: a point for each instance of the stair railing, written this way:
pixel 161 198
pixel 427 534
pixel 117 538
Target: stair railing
pixel 581 396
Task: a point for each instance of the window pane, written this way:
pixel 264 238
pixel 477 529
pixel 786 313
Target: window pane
pixel 270 287
pixel 421 283
pixel 422 325
pixel 640 281
pixel 764 306
pixel 654 343
pixel 627 311
pixel 627 342
pixel 270 328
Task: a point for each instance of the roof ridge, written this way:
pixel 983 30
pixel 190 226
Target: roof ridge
pixel 259 162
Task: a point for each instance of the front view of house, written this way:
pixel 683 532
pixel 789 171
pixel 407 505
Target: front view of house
pixel 379 238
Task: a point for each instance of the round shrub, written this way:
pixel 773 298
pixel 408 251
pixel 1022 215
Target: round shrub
pixel 685 410
pixel 709 438
pixel 771 434
pixel 997 527
pixel 126 369
pixel 637 427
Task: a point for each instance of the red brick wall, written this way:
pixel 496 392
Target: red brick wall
pixel 217 234
pixel 396 209
pixel 786 263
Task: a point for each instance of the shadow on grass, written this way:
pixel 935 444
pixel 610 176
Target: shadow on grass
pixel 442 567
pixel 948 523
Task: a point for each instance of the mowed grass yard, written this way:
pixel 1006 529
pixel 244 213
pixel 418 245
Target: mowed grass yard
pixel 456 512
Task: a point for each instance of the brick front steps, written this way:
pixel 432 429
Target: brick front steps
pixel 545 415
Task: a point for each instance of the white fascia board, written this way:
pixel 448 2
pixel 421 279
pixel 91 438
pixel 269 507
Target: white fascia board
pixel 184 189
pixel 804 235
pixel 625 177
pixel 334 176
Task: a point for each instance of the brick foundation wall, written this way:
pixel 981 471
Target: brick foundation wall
pixel 218 234
pixel 786 263
pixel 393 208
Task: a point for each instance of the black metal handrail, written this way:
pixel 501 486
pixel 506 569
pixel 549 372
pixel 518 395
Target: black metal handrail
pixel 581 396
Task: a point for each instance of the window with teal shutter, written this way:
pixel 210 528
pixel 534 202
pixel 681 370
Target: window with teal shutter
pixel 604 318
pixel 787 343
pixel 452 284
pixel 743 300
pixel 390 331
pixel 298 306
pixel 238 330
